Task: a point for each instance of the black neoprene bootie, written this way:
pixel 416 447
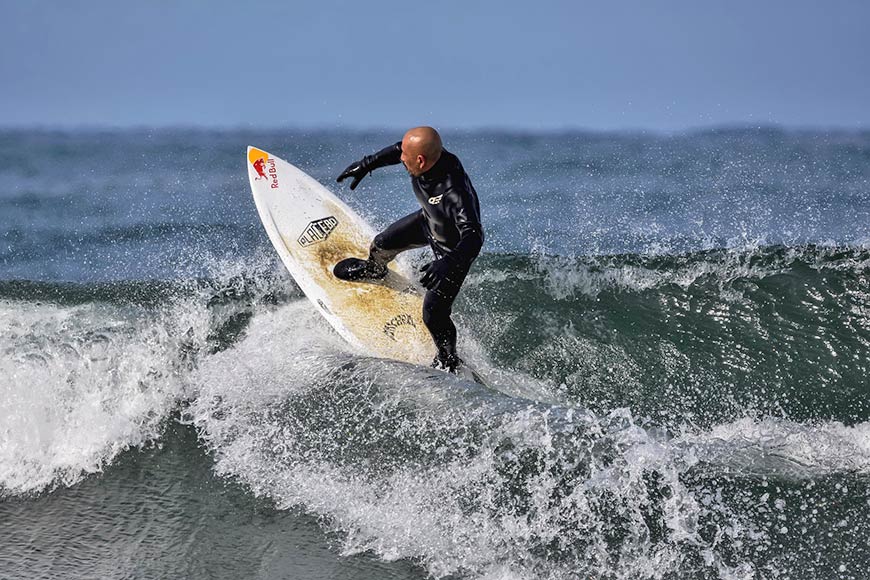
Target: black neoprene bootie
pixel 448 362
pixel 354 269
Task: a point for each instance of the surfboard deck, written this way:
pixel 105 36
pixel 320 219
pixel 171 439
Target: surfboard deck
pixel 312 230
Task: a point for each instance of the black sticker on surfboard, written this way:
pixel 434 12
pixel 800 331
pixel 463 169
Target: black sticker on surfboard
pixel 317 231
pixel 397 321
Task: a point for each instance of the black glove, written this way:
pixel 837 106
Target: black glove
pixel 435 272
pixel 390 155
pixel 357 170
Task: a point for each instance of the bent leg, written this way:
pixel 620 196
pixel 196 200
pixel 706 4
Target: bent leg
pixel 405 234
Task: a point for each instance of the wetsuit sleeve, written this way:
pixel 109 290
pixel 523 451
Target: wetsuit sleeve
pixel 465 215
pixel 387 156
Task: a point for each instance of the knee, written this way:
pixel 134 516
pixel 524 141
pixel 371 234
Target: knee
pixel 379 242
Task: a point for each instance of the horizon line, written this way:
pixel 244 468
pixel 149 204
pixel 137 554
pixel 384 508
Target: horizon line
pixel 516 129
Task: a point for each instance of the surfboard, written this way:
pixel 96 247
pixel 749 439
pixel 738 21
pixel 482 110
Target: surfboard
pixel 312 230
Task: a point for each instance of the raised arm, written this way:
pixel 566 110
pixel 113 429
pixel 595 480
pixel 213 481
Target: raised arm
pixel 358 169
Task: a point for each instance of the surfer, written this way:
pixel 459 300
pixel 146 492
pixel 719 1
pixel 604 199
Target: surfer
pixel 448 222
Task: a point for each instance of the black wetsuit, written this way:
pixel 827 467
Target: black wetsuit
pixel 449 222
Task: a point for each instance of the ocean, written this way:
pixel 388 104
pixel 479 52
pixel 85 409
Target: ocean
pixel 675 328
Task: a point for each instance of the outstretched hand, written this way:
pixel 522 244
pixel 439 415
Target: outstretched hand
pixel 356 170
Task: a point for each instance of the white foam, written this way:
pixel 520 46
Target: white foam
pixel 78 385
pixel 565 278
pixel 450 504
pixel 778 448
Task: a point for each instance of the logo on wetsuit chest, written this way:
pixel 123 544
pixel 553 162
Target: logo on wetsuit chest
pixel 317 231
pixel 435 200
pixel 397 321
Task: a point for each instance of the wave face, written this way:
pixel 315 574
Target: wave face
pixel 702 337
pixel 628 434
pixel 675 331
pixel 89 371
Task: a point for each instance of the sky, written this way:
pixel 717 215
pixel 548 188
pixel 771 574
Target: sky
pixel 649 65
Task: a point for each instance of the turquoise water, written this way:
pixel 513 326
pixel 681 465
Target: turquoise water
pixel 676 329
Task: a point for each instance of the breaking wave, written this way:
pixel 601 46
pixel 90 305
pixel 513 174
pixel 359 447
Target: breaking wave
pixel 643 421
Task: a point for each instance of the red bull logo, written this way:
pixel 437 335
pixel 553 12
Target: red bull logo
pixel 258 158
pixel 260 167
pixel 264 166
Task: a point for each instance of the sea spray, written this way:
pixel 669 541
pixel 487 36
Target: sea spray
pixel 82 384
pixel 89 371
pixel 420 465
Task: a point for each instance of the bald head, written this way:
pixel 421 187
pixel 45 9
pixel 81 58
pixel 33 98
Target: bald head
pixel 421 149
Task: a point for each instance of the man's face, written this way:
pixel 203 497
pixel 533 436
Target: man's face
pixel 413 161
